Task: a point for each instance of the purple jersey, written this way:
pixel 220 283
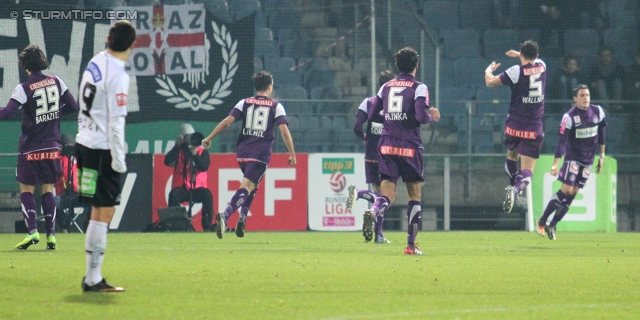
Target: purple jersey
pixel 404 102
pixel 527 84
pixel 42 97
pixel 374 130
pixel 259 116
pixel 580 134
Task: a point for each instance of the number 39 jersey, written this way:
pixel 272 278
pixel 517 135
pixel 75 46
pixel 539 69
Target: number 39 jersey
pixel 259 116
pixel 527 84
pixel 102 96
pixel 40 99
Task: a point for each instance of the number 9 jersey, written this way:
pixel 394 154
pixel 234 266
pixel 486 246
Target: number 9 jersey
pixel 103 105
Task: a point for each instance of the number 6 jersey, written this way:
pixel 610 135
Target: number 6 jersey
pixel 103 105
pixel 259 116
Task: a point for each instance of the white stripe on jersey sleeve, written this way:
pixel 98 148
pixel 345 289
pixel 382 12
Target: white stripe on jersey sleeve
pixel 421 91
pixel 19 94
pixel 280 110
pixel 514 73
pixel 380 90
pixel 566 121
pixel 540 61
pixel 240 106
pixel 63 86
pixel 600 114
pixel 363 105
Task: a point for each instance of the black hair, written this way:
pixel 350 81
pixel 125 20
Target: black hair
pixel 406 59
pixel 32 59
pixel 385 76
pixel 121 35
pixel 578 88
pixel 262 80
pixel 529 50
pixel 570 57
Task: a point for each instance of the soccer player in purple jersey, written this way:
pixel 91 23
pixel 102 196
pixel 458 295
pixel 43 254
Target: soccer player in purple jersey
pixel 581 131
pixel 523 134
pixel 370 138
pixel 259 115
pixel 404 103
pixel 42 97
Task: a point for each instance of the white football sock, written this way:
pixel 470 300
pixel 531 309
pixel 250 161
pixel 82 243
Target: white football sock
pixel 96 240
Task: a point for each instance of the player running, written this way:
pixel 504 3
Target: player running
pixel 523 134
pixel 581 131
pixel 42 97
pixel 370 138
pixel 259 115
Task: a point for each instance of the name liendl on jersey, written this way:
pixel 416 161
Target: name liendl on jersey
pixel 254 133
pixel 537 99
pixel 47 117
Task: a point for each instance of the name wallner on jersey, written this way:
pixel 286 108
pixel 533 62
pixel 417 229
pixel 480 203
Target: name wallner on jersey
pixel 538 99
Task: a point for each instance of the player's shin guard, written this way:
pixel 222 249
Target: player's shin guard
pixel 244 209
pixel 562 211
pixel 378 224
pixel 522 180
pixel 553 204
pixel 367 195
pixel 414 216
pixel 511 168
pixel 29 211
pixel 380 204
pixel 49 211
pixel 236 201
pixel 95 244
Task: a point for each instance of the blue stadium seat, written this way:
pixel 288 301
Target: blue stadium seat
pixel 297 49
pixel 493 100
pixel 340 122
pixel 318 78
pixel 622 13
pixel 527 34
pixel 219 8
pixel 286 34
pixel 551 126
pixel 294 123
pixel 346 141
pixel 257 64
pixel 476 14
pixel 442 14
pixel 461 43
pixel 286 79
pixel 263 34
pixel 499 41
pixel 240 9
pixel 266 48
pixel 469 71
pixel 326 123
pixel 616 133
pixel 452 107
pixel 624 42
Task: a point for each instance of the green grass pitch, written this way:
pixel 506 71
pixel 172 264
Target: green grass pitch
pixel 314 275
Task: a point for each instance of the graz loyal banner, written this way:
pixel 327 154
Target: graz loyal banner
pixel 280 203
pixel 593 209
pixel 188 65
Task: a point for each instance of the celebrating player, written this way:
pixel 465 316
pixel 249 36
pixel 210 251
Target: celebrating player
pixel 404 103
pixel 371 138
pixel 259 116
pixel 523 134
pixel 41 99
pixel 581 130
pixel 100 145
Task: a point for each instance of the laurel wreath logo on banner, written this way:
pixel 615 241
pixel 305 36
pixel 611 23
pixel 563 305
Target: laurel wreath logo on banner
pixel 210 98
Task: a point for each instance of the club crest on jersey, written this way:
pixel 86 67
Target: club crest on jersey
pixel 121 99
pixel 183 98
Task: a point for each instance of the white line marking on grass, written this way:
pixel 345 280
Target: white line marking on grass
pixel 489 310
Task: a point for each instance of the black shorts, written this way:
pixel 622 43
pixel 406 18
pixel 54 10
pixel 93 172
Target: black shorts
pixel 98 183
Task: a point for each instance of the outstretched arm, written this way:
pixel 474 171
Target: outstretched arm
pixel 222 126
pixel 10 109
pixel 489 79
pixel 288 142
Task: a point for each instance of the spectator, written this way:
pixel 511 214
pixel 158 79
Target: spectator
pixel 567 78
pixel 606 77
pixel 633 79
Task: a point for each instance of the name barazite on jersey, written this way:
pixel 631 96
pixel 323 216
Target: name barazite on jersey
pixel 48 117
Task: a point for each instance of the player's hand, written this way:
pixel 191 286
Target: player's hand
pixel 118 166
pixel 292 160
pixel 492 67
pixel 206 143
pixel 554 171
pixel 435 114
pixel 599 166
pixel 513 54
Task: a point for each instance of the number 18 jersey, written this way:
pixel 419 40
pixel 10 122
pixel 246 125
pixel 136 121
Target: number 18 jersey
pixel 103 95
pixel 259 116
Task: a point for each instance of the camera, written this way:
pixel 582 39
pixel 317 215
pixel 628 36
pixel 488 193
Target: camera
pixel 193 139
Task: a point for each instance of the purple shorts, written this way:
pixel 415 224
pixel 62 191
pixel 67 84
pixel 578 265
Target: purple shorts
pixel 33 171
pixel 526 147
pixel 574 174
pixel 253 170
pixel 372 172
pixel 399 158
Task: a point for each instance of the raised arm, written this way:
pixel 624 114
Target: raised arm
pixel 10 109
